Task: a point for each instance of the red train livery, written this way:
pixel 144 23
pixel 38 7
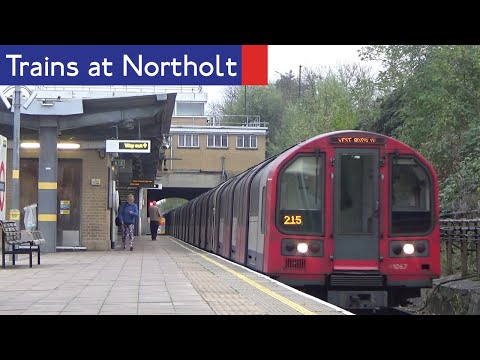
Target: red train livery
pixel 352 213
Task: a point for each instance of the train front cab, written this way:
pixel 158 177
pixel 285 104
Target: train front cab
pixel 377 242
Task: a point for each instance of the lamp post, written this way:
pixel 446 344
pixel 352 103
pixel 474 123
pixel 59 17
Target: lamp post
pixel 245 100
pixel 299 81
pixel 15 209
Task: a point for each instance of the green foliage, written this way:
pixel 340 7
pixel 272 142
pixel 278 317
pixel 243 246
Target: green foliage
pixel 170 204
pixel 334 100
pixel 431 102
pixel 426 96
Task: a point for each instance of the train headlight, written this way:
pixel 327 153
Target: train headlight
pixel 397 249
pixel 315 247
pixel 408 249
pixel 302 248
pixel 421 247
pixel 418 248
pixel 290 246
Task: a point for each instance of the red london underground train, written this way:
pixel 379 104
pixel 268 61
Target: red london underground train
pixel 354 214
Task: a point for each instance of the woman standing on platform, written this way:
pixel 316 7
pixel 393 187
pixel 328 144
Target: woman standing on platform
pixel 127 214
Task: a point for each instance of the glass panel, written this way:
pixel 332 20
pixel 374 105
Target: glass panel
pixel 190 109
pixel 301 196
pixel 240 141
pixel 411 197
pixel 356 194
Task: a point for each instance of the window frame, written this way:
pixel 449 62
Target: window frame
pixel 191 139
pixel 322 161
pixel 390 196
pixel 249 147
pixel 214 146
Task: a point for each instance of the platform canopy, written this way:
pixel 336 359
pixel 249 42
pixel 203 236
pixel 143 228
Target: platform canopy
pixel 92 115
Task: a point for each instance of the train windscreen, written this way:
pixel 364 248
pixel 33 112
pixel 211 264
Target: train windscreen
pixel 411 210
pixel 300 196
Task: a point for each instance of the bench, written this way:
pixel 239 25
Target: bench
pixel 12 236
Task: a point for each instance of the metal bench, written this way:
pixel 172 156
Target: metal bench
pixel 12 237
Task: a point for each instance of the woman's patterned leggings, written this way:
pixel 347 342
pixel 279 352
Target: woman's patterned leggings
pixel 127 230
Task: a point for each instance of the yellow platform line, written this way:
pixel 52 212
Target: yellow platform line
pixel 262 288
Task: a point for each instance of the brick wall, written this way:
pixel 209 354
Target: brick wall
pixel 95 218
pixel 203 158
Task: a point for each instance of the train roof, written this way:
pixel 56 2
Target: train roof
pixel 352 133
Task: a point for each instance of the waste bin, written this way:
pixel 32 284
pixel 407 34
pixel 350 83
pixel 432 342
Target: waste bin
pixel 30 217
pixel 161 227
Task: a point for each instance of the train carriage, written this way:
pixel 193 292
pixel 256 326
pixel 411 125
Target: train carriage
pixel 354 213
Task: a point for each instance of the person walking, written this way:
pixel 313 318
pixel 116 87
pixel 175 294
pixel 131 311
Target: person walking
pixel 154 214
pixel 127 214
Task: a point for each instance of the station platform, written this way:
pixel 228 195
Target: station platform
pixel 162 277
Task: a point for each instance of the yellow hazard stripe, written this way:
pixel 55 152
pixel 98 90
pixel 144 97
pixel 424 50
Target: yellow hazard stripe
pixel 47 217
pixel 262 288
pixel 47 185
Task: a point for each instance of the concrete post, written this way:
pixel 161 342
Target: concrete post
pixel 47 182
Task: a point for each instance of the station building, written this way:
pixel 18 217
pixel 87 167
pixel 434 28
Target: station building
pixel 64 130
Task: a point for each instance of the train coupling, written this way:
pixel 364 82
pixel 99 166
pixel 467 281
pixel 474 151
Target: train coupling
pixel 367 300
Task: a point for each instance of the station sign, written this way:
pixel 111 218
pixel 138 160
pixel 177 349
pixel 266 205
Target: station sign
pixel 127 146
pixel 141 183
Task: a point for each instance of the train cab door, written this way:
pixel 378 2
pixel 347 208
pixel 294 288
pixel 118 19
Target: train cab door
pixel 355 209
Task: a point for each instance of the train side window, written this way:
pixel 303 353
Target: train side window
pixel 300 195
pixel 262 215
pixel 411 197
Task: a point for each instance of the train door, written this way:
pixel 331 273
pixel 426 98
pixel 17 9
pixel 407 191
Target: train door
pixel 355 208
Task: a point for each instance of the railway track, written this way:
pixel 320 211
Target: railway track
pixel 385 311
pixel 313 291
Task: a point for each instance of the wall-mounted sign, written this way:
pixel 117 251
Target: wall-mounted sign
pixel 127 146
pixel 141 183
pixel 64 207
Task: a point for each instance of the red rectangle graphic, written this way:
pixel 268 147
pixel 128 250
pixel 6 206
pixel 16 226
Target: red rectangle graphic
pixel 254 64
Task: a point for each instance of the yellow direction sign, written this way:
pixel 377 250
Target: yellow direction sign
pixel 127 146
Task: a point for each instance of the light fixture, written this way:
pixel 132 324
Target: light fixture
pixel 30 145
pixel 46 102
pixel 68 146
pixel 61 146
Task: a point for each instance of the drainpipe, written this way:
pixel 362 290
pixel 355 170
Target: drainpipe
pixel 224 175
pixel 171 155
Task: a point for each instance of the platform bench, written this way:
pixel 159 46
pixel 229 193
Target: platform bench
pixel 12 237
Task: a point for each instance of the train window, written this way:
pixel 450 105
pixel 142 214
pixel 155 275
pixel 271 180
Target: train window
pixel 300 196
pixel 411 197
pixel 357 195
pixel 262 219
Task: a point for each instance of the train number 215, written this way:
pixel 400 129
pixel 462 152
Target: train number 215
pixel 292 219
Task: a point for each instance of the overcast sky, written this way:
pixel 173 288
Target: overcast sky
pixel 283 58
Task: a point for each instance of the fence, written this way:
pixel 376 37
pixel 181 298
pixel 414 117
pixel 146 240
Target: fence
pixel 461 236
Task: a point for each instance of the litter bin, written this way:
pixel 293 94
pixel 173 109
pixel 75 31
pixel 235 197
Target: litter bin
pixel 30 218
pixel 161 227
